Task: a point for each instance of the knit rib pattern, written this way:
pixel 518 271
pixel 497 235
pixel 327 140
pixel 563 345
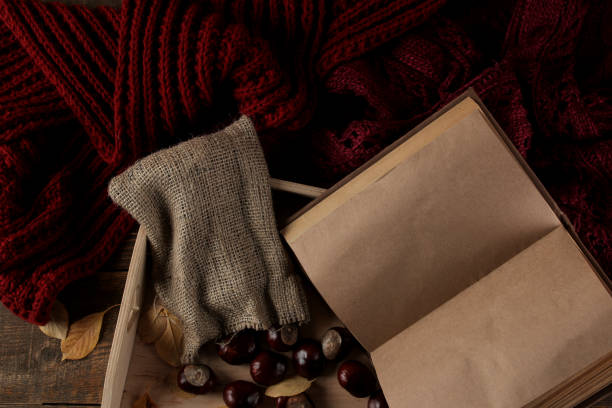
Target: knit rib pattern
pixel 85 92
pixel 328 84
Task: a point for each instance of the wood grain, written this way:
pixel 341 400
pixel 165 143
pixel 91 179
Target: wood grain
pixel 31 371
pixel 296 188
pixel 127 324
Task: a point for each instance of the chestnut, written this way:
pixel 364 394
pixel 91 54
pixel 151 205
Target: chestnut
pixel 238 348
pixel 337 343
pixel 308 359
pixel 282 338
pixel 268 368
pixel 242 394
pixel 356 378
pixel 377 400
pixel 297 401
pixel 280 402
pixel 196 379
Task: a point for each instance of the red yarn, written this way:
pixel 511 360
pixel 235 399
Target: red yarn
pixel 85 92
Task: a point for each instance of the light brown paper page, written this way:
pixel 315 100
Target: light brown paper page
pixel 379 168
pixel 436 223
pixel 527 326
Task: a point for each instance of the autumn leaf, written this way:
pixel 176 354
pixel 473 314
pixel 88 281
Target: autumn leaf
pixel 144 401
pixel 57 327
pixel 152 324
pixel 289 387
pixel 169 345
pixel 83 336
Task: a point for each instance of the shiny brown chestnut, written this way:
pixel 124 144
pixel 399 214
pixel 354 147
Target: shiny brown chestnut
pixel 297 401
pixel 242 394
pixel 308 359
pixel 356 378
pixel 336 343
pixel 196 378
pixel 282 338
pixel 239 348
pixel 268 368
pixel 280 402
pixel 377 400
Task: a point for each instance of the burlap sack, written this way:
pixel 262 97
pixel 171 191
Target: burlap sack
pixel 218 262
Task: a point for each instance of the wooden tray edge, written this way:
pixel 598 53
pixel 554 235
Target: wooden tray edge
pixel 127 324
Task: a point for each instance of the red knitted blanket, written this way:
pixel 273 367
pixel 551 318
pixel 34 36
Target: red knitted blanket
pixel 85 92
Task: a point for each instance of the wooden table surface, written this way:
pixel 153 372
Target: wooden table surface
pixel 31 373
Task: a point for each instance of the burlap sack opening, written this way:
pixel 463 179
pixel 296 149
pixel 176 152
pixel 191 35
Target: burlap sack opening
pixel 218 262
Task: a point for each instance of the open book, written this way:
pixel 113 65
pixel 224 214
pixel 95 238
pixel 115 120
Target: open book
pixel 453 267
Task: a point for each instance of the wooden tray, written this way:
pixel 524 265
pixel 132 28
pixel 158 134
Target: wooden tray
pixel 134 367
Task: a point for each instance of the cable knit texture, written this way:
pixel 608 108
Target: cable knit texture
pixel 86 92
pixel 218 261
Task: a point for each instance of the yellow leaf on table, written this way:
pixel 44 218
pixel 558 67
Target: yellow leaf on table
pixel 152 323
pixel 57 327
pixel 83 336
pixel 144 401
pixel 289 387
pixel 169 346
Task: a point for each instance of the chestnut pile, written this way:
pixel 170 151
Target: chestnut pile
pixel 269 367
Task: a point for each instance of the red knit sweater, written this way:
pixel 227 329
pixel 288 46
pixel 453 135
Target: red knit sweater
pixel 83 93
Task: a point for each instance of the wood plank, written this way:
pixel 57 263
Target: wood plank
pixel 127 324
pixel 296 188
pixel 31 370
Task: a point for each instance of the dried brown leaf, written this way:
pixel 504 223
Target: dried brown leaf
pixel 83 336
pixel 57 327
pixel 144 401
pixel 170 344
pixel 289 387
pixel 152 323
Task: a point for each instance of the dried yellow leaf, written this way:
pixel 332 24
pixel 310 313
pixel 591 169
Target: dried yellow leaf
pixel 83 336
pixel 57 327
pixel 152 324
pixel 170 344
pixel 144 401
pixel 289 387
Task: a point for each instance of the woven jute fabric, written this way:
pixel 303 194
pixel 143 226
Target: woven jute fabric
pixel 218 262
